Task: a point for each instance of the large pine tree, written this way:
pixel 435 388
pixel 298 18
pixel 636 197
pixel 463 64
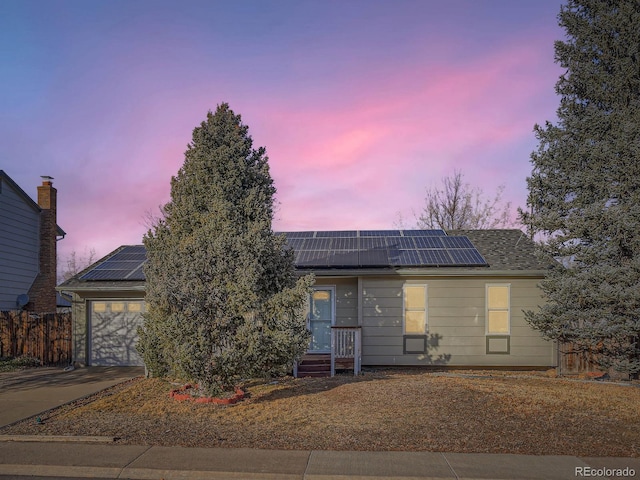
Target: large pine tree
pixel 223 298
pixel 584 191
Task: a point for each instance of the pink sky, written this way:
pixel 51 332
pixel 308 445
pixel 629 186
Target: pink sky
pixel 361 105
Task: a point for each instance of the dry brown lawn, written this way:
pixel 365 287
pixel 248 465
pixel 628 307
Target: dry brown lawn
pixel 496 412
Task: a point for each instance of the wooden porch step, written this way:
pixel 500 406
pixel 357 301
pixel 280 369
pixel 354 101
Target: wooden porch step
pixel 315 365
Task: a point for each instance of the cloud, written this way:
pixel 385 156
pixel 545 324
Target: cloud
pixel 386 149
pixel 354 131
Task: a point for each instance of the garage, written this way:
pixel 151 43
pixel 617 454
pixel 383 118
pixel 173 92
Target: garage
pixel 113 326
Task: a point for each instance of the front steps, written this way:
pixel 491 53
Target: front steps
pixel 315 365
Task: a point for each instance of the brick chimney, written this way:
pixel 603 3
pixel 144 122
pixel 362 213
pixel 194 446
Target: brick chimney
pixel 43 291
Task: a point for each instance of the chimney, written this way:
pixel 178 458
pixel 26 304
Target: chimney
pixel 43 290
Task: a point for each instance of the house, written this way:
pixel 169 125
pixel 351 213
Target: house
pixel 63 302
pixel 28 244
pixel 381 298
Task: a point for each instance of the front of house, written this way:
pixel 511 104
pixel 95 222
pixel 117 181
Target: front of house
pixel 381 298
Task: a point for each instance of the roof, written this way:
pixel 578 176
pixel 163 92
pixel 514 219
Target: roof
pixel 507 250
pixel 27 199
pixel 499 252
pixel 118 281
pixel 63 300
pixel 345 249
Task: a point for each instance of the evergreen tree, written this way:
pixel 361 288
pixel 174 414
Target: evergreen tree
pixel 223 299
pixel 584 190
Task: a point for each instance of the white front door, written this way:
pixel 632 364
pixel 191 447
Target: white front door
pixel 322 314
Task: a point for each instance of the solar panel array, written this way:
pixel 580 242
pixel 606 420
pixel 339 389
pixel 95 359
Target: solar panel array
pixel 382 248
pixel 333 249
pixel 126 264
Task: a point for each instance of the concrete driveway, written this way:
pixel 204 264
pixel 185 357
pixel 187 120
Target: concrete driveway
pixel 29 392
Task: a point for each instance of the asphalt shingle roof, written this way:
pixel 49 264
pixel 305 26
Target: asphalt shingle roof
pixel 504 250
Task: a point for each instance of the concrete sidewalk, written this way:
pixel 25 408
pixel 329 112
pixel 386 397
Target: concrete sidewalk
pixel 143 462
pixel 25 393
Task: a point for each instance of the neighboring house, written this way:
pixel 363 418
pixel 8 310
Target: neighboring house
pixel 63 302
pixel 28 244
pixel 387 298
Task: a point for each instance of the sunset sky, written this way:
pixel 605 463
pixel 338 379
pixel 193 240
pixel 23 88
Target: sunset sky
pixel 361 104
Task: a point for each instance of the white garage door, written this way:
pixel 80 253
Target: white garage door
pixel 113 326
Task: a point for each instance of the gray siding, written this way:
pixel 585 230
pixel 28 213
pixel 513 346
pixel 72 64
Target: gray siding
pixel 456 324
pixel 346 299
pixel 19 246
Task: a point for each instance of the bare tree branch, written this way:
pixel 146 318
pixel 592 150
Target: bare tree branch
pixel 75 263
pixel 457 205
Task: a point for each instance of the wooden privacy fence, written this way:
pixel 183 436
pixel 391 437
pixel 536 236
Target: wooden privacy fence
pixel 573 361
pixel 45 336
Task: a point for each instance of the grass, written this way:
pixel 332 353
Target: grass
pixel 18 363
pixel 494 412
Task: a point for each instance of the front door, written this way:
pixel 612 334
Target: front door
pixel 321 317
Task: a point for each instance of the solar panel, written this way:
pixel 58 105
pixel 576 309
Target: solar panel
pixel 373 248
pixel 106 275
pixel 128 256
pixel 379 233
pixel 312 258
pixel 457 242
pixel 374 258
pixel 424 233
pixel 296 234
pixel 338 234
pixel 407 257
pixel 343 258
pixel 400 242
pixel 137 274
pixel 467 256
pixel 435 257
pixel 296 243
pixel 345 243
pixel 333 249
pixel 428 242
pixel 120 266
pixel 372 242
pixel 318 244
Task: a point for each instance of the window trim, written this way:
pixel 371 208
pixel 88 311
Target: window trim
pixel 488 309
pixel 498 352
pixel 426 309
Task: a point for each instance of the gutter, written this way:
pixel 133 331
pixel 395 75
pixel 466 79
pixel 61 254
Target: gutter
pixel 425 272
pixel 103 288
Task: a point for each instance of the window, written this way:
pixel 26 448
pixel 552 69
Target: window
pixel 498 310
pixel 415 309
pixel 99 307
pixel 117 307
pixel 135 306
